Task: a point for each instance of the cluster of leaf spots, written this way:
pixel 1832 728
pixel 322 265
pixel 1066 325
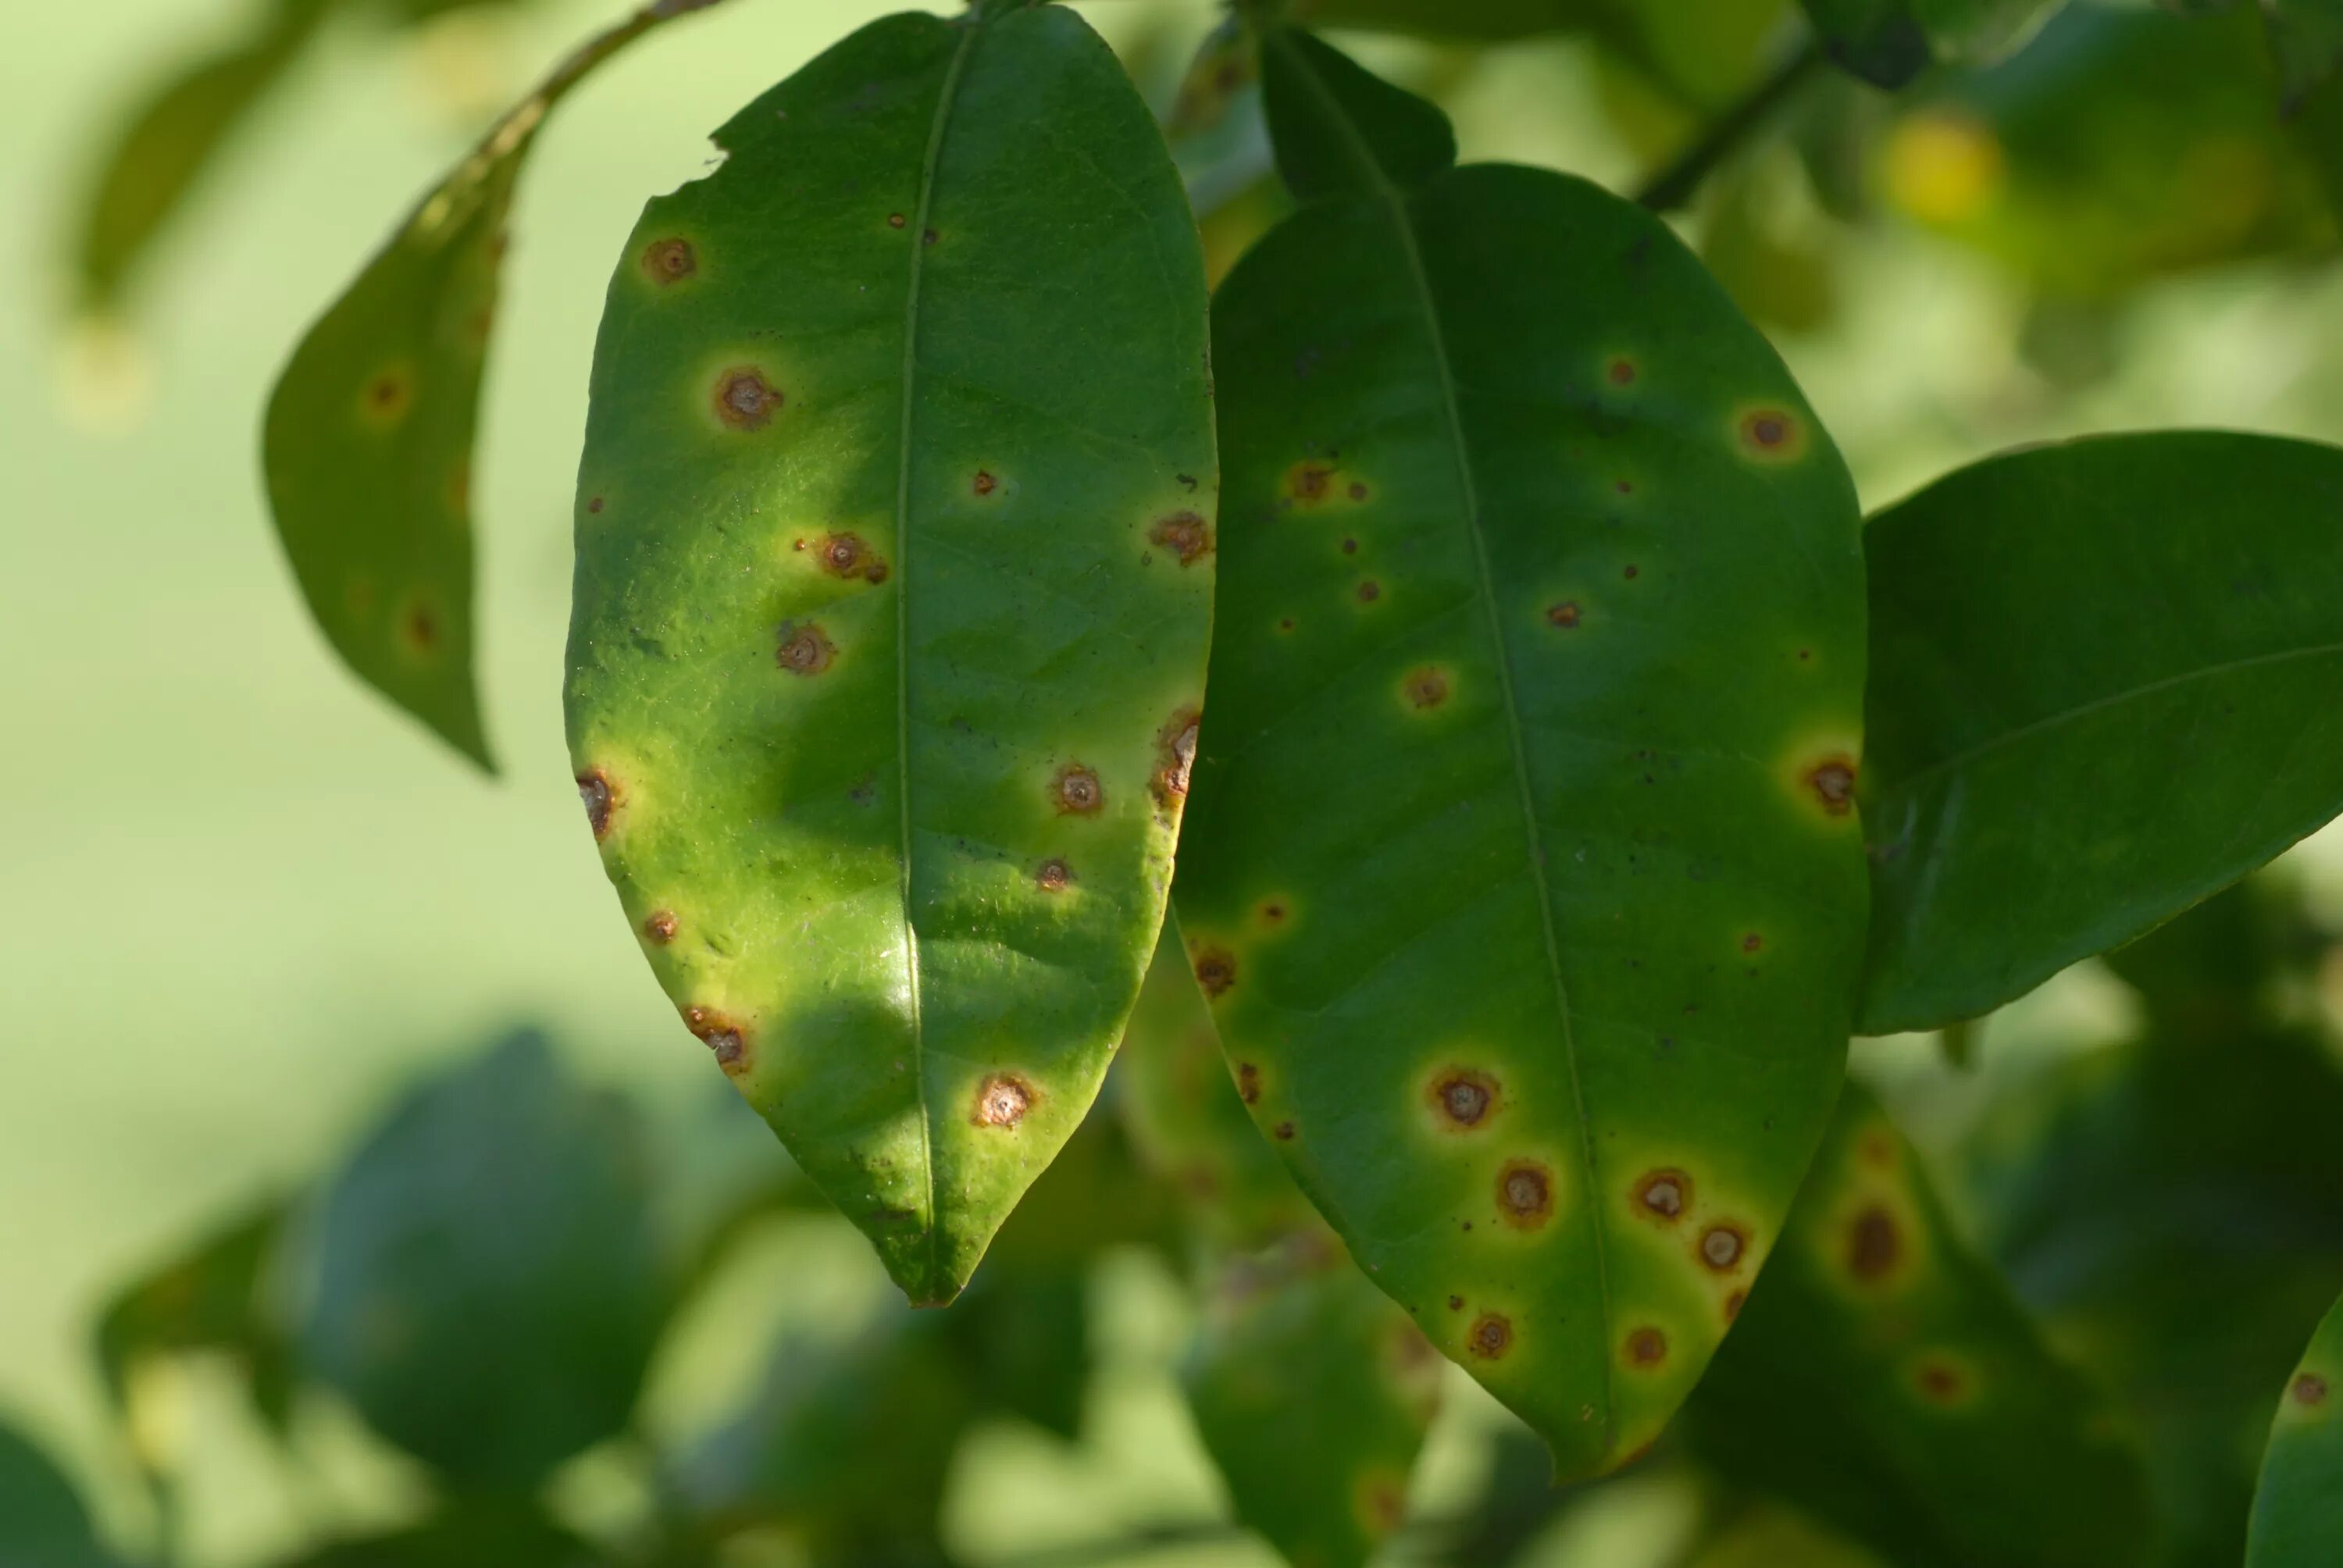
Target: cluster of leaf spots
pixel 916 862
pixel 1527 552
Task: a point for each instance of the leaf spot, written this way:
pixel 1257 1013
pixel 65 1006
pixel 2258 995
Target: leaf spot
pixel 1077 791
pixel 660 925
pixel 1216 971
pixel 1721 1246
pixel 1185 534
pixel 600 798
pixel 1525 1194
pixel 1053 876
pixel 1248 1083
pixel 1492 1336
pixel 804 649
pixel 1874 1245
pixel 1424 688
pixel 1463 1099
pixel 2309 1389
pixel 1003 1101
pixel 1664 1194
pixel 984 484
pixel 721 1035
pixel 668 261
pixel 1563 615
pixel 745 400
pixel 845 555
pixel 1833 782
pixel 1646 1347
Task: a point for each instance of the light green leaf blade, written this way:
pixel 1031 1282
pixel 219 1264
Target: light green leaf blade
pixel 172 138
pixel 1883 1379
pixel 1522 867
pixel 894 586
pixel 1311 1393
pixel 2298 1519
pixel 367 449
pixel 2102 677
pixel 1887 43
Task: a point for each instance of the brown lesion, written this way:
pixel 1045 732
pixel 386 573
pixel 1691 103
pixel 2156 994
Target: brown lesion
pixel 1490 1337
pixel 726 1037
pixel 1054 876
pixel 1462 1098
pixel 387 395
pixel 660 925
pixel 1647 1348
pixel 668 261
pixel 1248 1083
pixel 1874 1245
pixel 1175 756
pixel 744 399
pixel 1832 782
pixel 1525 1194
pixel 1186 534
pixel 845 555
pixel 1941 1381
pixel 1563 616
pixel 1002 1099
pixel 1076 792
pixel 417 629
pixel 1722 1246
pixel 1772 434
pixel 984 484
pixel 1663 1195
pixel 1425 689
pixel 2308 1389
pixel 804 649
pixel 1216 968
pixel 601 796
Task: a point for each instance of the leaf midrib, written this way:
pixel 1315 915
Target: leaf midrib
pixel 971 26
pixel 1394 201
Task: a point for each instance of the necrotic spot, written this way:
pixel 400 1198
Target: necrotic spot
pixel 844 555
pixel 668 261
pixel 660 925
pixel 1721 1246
pixel 1076 792
pixel 1462 1098
pixel 1772 434
pixel 1248 1083
pixel 595 790
pixel 728 1041
pixel 1284 1130
pixel 744 399
pixel 1053 876
pixel 1425 688
pixel 1663 1194
pixel 2309 1388
pixel 804 650
pixel 1175 756
pixel 1939 1381
pixel 1833 782
pixel 1563 615
pixel 1874 1244
pixel 1002 1099
pixel 984 484
pixel 1216 970
pixel 1185 534
pixel 1646 1347
pixel 1369 591
pixel 1490 1337
pixel 1525 1194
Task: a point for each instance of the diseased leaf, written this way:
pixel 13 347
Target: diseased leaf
pixel 1311 1393
pixel 168 142
pixel 488 1284
pixel 1522 871
pixel 2101 685
pixel 894 583
pixel 2174 1211
pixel 1883 1379
pixel 1887 43
pixel 1188 1120
pixel 367 448
pixel 2298 1519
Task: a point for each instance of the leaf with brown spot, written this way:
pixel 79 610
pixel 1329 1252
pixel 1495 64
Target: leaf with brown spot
pixel 872 626
pixel 1884 1389
pixel 375 412
pixel 1523 836
pixel 2298 1518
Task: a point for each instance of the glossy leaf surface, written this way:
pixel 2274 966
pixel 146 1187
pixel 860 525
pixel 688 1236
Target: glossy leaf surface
pixel 486 1282
pixel 894 582
pixel 1883 1378
pixel 2101 684
pixel 1312 1393
pixel 367 449
pixel 2299 1511
pixel 1889 42
pixel 1522 871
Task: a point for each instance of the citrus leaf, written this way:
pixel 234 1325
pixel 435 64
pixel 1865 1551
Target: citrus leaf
pixel 1883 1379
pixel 44 1522
pixel 367 449
pixel 173 137
pixel 1522 867
pixel 1887 43
pixel 2298 1509
pixel 1312 1394
pixel 2051 771
pixel 894 583
pixel 488 1281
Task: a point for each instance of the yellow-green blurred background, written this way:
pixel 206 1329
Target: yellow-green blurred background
pixel 242 900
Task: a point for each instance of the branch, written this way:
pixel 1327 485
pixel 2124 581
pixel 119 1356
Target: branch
pixel 1674 185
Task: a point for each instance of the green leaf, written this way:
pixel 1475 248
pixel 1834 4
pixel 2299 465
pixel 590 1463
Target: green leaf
pixel 1887 43
pixel 2090 668
pixel 894 584
pixel 173 136
pixel 1188 1121
pixel 1474 21
pixel 1883 1379
pixel 1313 1395
pixel 2298 1519
pixel 2173 1209
pixel 367 449
pixel 486 1282
pixel 1522 867
pixel 2306 37
pixel 42 1521
pixel 471 1534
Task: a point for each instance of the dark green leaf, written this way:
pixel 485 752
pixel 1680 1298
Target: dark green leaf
pixel 42 1523
pixel 1889 42
pixel 367 449
pixel 2307 38
pixel 1523 868
pixel 1883 1379
pixel 2298 1509
pixel 1311 1393
pixel 2099 676
pixel 470 1534
pixel 488 1284
pixel 173 137
pixel 894 583
pixel 2174 1212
